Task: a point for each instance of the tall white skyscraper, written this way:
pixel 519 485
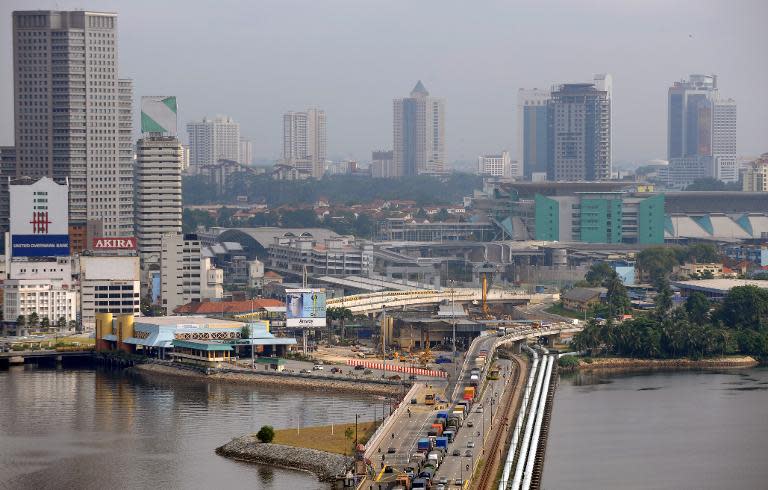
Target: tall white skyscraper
pixel 246 151
pixel 211 140
pixel 701 132
pixel 418 132
pixel 72 114
pixel 304 141
pixel 157 177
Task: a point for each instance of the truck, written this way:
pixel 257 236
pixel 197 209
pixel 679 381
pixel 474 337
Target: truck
pixel 469 393
pixel 442 442
pixel 429 399
pixel 449 434
pixel 424 445
pixel 419 484
pixel 442 415
pixel 438 428
pixel 474 380
pixel 435 457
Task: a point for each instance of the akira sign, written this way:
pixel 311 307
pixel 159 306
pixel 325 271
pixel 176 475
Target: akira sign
pixel 117 243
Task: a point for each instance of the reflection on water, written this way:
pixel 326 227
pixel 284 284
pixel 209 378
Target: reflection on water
pixel 659 430
pixel 106 429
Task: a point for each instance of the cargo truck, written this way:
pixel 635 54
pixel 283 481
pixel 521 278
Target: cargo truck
pixel 449 434
pixel 469 393
pixel 442 442
pixel 424 445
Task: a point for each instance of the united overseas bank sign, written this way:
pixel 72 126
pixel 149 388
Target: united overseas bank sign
pixel 39 219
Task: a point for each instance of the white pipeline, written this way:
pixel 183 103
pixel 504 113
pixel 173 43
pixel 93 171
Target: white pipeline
pixel 528 430
pixel 537 429
pixel 519 423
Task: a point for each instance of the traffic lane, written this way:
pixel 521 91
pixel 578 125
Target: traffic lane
pixel 456 466
pixel 407 434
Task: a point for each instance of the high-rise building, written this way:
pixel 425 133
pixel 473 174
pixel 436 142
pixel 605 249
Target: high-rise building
pixel 186 275
pixel 304 141
pixel 701 133
pixel 382 165
pixel 157 177
pixel 211 140
pixel 579 118
pixel 246 151
pixel 419 133
pixel 532 129
pixel 495 165
pixel 158 193
pixel 756 175
pixel 72 114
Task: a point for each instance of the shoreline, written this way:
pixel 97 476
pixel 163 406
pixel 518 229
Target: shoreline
pixel 324 465
pixel 271 380
pixel 630 364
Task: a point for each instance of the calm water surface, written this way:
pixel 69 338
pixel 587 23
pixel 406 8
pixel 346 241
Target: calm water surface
pixel 84 428
pixel 671 430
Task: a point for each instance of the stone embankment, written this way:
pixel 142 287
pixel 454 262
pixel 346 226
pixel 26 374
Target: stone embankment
pixel 625 363
pixel 276 380
pixel 327 466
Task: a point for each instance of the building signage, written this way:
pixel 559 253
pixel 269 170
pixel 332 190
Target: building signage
pixel 118 243
pixel 305 307
pixel 39 245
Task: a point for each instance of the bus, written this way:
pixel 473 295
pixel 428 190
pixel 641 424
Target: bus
pixel 429 399
pixel 493 373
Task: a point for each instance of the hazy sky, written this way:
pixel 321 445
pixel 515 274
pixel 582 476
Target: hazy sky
pixel 254 60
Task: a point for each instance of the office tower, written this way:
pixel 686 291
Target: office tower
pixel 184 158
pixel 495 165
pixel 72 114
pixel 246 151
pixel 756 175
pixel 701 132
pixel 186 275
pixel 382 165
pixel 579 118
pixel 419 133
pixel 211 140
pixel 304 141
pixel 532 128
pixel 157 177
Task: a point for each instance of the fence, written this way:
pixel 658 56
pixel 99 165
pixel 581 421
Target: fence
pixel 397 369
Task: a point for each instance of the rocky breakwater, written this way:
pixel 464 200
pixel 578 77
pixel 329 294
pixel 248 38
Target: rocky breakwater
pixel 327 466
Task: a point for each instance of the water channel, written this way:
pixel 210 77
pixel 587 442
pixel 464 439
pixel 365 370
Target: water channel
pixel 93 428
pixel 660 430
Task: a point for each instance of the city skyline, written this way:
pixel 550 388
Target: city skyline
pixel 360 111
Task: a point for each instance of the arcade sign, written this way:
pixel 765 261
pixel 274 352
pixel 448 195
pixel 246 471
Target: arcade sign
pixel 114 243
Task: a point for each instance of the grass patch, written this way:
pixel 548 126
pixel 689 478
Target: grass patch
pixel 556 309
pixel 320 437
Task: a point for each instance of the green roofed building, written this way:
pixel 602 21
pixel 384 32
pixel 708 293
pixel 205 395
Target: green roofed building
pixel 158 115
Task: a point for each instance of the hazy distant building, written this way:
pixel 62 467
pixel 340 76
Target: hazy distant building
pixel 382 165
pixel 72 114
pixel 532 128
pixel 756 175
pixel 304 141
pixel 495 165
pixel 211 140
pixel 184 158
pixel 246 151
pixel 580 132
pixel 419 133
pixel 701 133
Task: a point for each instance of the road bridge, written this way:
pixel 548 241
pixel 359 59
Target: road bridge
pixel 374 302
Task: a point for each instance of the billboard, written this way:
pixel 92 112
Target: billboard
pixel 117 243
pixel 39 245
pixel 305 307
pixel 158 115
pixel 39 221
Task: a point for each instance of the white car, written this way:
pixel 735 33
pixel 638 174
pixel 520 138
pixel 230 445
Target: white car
pixel 317 367
pixel 471 444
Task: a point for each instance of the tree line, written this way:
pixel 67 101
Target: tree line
pixel 739 324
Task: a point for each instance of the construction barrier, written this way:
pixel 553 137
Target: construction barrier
pixel 396 368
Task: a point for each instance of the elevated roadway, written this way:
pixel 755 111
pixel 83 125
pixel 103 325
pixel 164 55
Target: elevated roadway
pixel 374 302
